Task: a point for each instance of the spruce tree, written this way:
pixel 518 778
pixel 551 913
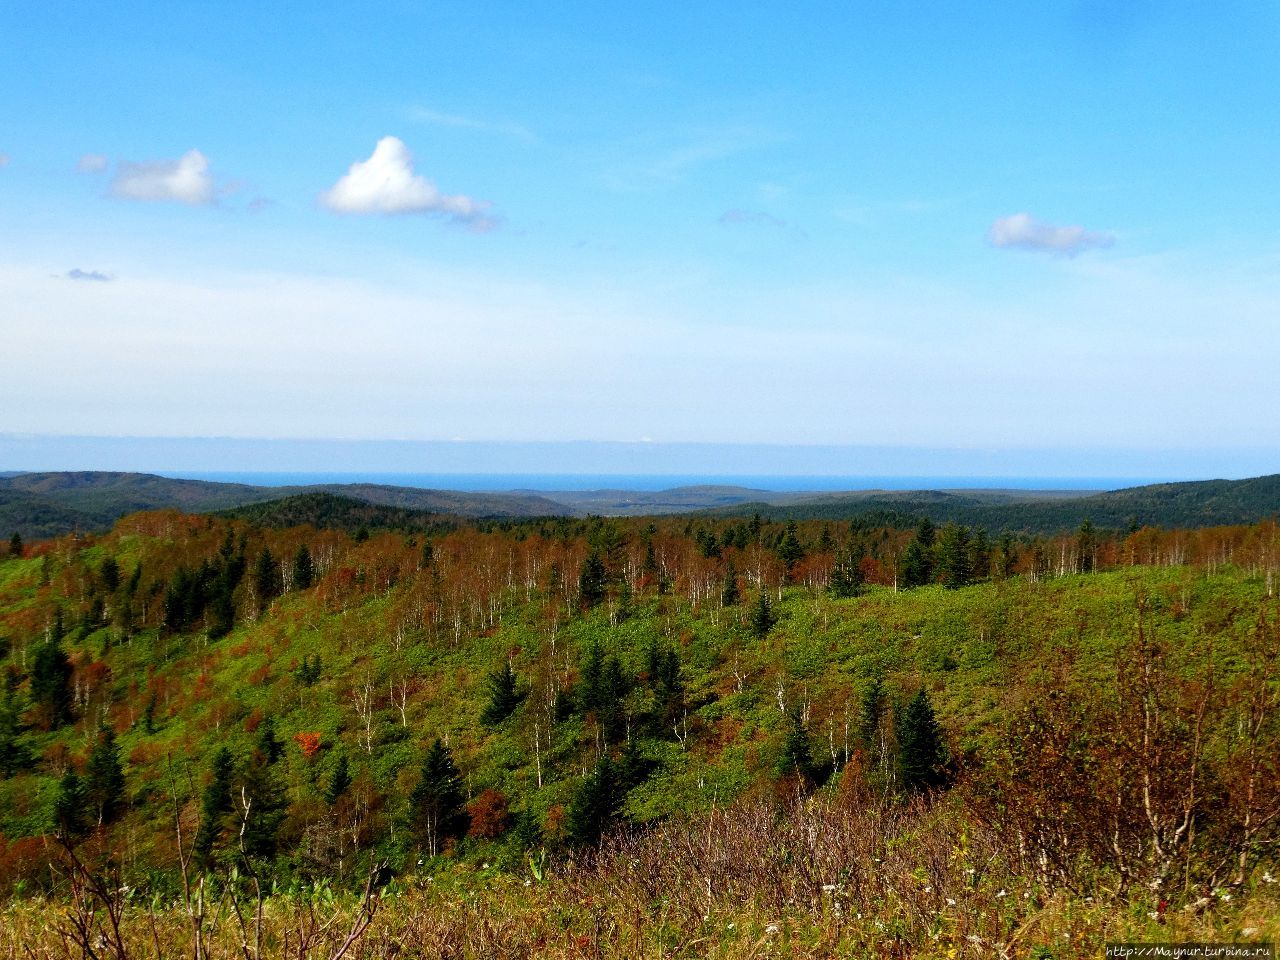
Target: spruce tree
pixel 109 574
pixel 270 747
pixel 762 615
pixel 797 757
pixel 436 811
pixel 922 755
pixel 503 696
pixel 730 596
pixel 869 718
pixel 980 550
pixel 339 782
pixel 918 558
pixel 266 578
pixel 663 668
pixel 846 575
pixel 1006 556
pixel 68 806
pixel 595 805
pixel 215 805
pixel 1086 547
pixel 591 580
pixel 790 551
pixel 51 679
pixel 15 544
pixel 267 803
pixel 104 778
pixel 14 755
pixel 303 569
pixel 955 559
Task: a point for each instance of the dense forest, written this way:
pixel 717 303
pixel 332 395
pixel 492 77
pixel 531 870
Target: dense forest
pixel 677 736
pixel 42 505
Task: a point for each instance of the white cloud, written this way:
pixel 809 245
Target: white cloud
pixel 96 276
pixel 4 159
pixel 185 180
pixel 386 183
pixel 1024 232
pixel 91 163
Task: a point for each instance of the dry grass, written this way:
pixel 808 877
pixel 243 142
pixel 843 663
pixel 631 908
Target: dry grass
pixel 833 878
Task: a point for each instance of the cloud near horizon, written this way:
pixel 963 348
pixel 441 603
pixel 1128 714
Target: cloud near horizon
pixel 1021 231
pixel 386 183
pixel 94 276
pixel 185 180
pixel 92 163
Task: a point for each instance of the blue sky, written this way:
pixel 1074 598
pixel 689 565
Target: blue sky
pixel 999 225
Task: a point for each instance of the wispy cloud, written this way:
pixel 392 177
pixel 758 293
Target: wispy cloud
pixel 4 159
pixel 737 217
pixel 1021 231
pixel 456 121
pixel 185 180
pixel 92 163
pixel 93 276
pixel 387 183
pixel 672 156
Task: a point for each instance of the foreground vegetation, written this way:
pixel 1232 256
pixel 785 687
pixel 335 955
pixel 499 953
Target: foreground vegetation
pixel 687 738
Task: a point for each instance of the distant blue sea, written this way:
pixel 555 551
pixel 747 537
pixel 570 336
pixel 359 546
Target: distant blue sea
pixel 598 481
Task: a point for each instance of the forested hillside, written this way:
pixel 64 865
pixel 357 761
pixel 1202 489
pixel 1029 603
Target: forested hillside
pixel 1190 504
pixel 621 736
pixel 51 504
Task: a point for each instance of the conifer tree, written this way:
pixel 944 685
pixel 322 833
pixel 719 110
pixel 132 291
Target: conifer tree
pixel 870 716
pixel 846 575
pixel 68 806
pixel 591 580
pixel 267 801
pixel 303 569
pixel 270 746
pixel 1006 556
pixel 436 810
pixel 650 559
pixel 104 778
pixel 51 679
pixel 109 574
pixel 266 578
pixel 1086 547
pixel 762 615
pixel 730 595
pixel 922 755
pixel 790 551
pixel 663 668
pixel 339 782
pixel 503 696
pixel 918 558
pixel 149 716
pixel 980 549
pixel 596 804
pixel 215 805
pixel 797 757
pixel 955 559
pixel 15 544
pixel 14 755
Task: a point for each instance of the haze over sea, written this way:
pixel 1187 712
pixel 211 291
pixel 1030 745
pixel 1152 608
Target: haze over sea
pixel 648 482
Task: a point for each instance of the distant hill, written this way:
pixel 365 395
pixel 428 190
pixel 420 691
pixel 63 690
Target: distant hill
pixel 48 504
pixel 334 512
pixel 1191 504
